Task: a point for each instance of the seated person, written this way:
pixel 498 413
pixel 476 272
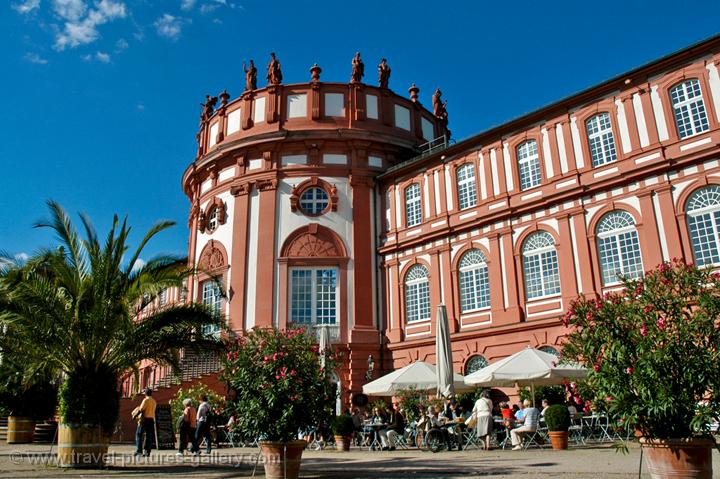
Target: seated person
pixel 519 412
pixel 545 405
pixel 507 415
pixel 436 422
pixel 528 424
pixel 396 427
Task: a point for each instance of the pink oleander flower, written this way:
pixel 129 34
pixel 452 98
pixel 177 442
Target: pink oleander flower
pixel 629 370
pixel 648 308
pixel 596 367
pixel 661 323
pixel 643 330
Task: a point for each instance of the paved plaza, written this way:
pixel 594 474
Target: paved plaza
pixel 586 462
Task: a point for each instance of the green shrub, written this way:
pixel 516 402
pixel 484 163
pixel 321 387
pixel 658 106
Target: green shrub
pixel 557 418
pixel 90 396
pixel 343 425
pixel 217 401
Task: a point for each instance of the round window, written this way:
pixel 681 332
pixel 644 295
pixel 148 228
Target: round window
pixel 475 363
pixel 212 220
pixel 314 201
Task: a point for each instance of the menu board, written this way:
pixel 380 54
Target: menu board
pixel 164 426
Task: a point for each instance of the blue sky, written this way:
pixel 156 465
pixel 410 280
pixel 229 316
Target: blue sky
pixel 101 97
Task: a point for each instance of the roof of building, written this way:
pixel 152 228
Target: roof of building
pixel 634 76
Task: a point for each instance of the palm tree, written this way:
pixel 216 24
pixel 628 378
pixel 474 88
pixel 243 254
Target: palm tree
pixel 75 310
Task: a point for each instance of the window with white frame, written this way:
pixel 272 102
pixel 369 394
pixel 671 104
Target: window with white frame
pixel 601 139
pixel 417 294
pixel 314 201
pixel 474 284
pixel 163 297
pixel 540 265
pixel 618 248
pixel 703 217
pixel 212 221
pixel 528 165
pixel 467 191
pixel 212 297
pixel 313 295
pixel 413 210
pixel 689 108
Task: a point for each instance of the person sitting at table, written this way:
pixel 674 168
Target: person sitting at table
pixel 436 422
pixel 483 413
pixel 573 410
pixel 529 424
pixel 395 428
pixel 377 419
pixel 545 405
pixel 357 419
pixel 520 411
pixel 507 415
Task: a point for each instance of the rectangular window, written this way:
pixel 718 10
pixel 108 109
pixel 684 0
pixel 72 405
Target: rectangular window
pixel 689 108
pixel 212 297
pixel 402 117
pixel 259 112
pixel 371 102
pixel 334 104
pixel 297 106
pixel 528 165
pixel 413 211
pixel 427 129
pixel 313 296
pixel 233 122
pixel 601 140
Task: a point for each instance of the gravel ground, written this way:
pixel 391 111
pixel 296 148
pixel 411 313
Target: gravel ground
pixel 26 461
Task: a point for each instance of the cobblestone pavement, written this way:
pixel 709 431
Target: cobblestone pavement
pixel 26 461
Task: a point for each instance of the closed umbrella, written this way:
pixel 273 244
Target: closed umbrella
pixel 419 376
pixel 443 353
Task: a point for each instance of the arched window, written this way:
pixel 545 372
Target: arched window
pixel 703 216
pixel 417 294
pixel 314 201
pixel 601 140
pixel 549 350
pixel 467 191
pixel 528 165
pixel 413 213
pixel 540 265
pixel 689 108
pixel 474 285
pixel 212 219
pixel 475 363
pixel 618 248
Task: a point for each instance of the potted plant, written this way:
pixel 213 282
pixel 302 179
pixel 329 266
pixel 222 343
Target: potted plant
pixel 279 388
pixel 343 428
pixel 653 359
pixel 83 310
pixel 557 419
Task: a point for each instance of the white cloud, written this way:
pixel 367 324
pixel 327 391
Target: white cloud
pixel 35 58
pixel 70 10
pixel 206 8
pixel 102 57
pixel 169 26
pixel 81 26
pixel 22 257
pixel 187 4
pixel 121 45
pixel 139 263
pixel 26 7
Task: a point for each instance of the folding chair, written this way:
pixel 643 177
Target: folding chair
pixel 537 438
pixel 471 439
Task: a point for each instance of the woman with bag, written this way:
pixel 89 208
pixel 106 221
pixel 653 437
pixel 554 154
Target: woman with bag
pixel 483 414
pixel 187 423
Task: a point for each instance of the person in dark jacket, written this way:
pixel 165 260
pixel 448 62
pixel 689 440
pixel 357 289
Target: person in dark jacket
pixel 396 427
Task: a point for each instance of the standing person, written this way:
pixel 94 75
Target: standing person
pixel 145 415
pixel 483 413
pixel 202 428
pixel 529 422
pixel 187 428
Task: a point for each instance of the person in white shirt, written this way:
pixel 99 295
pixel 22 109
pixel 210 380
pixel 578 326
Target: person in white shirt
pixel 483 414
pixel 202 429
pixel 529 422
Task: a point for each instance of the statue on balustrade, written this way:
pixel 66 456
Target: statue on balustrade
pixel 250 76
pixel 358 69
pixel 207 108
pixel 274 74
pixel 383 73
pixel 440 107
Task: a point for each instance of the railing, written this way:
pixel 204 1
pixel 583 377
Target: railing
pixel 333 330
pixel 430 147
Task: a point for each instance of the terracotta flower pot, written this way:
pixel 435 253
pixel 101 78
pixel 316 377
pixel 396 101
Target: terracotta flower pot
pixel 282 459
pixel 342 443
pixel 559 439
pixel 20 430
pixel 678 458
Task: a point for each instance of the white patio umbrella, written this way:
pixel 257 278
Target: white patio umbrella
pixel 324 343
pixel 443 354
pixel 529 367
pixel 419 375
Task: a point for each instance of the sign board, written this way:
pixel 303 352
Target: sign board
pixel 164 425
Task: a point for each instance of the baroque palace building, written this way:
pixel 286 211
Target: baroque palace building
pixel 342 204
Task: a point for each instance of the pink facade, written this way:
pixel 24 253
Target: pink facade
pixel 554 204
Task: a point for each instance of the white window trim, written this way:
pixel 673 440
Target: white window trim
pixel 413 202
pixel 686 104
pixel 314 299
pixel 528 159
pixel 603 159
pixel 468 180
